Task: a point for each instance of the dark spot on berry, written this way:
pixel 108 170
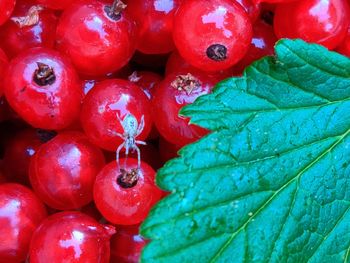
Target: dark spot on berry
pixel 217 52
pixel 128 179
pixel 44 75
pixel 114 11
pixel 23 89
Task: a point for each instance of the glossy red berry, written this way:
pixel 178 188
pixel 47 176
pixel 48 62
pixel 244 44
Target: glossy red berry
pixel 19 152
pixel 344 47
pixel 6 7
pixel 43 88
pixel 275 1
pixel 71 237
pixel 30 26
pixel 3 66
pixel 127 244
pixel 174 92
pixel 263 43
pixel 125 195
pixel 20 213
pixel 155 21
pixel 102 106
pixel 251 7
pixel 54 4
pixel 74 162
pixel 212 35
pixel 323 22
pixel 97 37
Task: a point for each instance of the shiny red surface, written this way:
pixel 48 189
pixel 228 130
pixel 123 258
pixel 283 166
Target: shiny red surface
pixel 3 65
pixel 125 206
pixel 174 128
pixel 6 7
pixel 71 237
pixel 203 23
pixel 275 1
pixel 101 106
pixel 63 171
pixel 16 38
pixel 54 106
pixel 96 44
pixel 155 22
pixel 251 7
pixel 20 213
pixel 126 245
pixel 344 47
pixel 146 80
pixel 262 44
pixel 323 22
pixel 56 4
pixel 18 155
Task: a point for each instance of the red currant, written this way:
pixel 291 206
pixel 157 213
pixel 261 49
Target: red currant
pixel 30 26
pixel 126 245
pixel 54 4
pixel 125 195
pixel 344 47
pixel 275 1
pixel 43 88
pixel 6 7
pixel 20 151
pixel 263 43
pixel 20 213
pixel 3 65
pixel 155 20
pixel 98 37
pixel 75 162
pixel 212 35
pixel 174 92
pixel 323 22
pixel 251 7
pixel 109 100
pixel 71 237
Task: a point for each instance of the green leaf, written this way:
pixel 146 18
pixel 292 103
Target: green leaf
pixel 271 183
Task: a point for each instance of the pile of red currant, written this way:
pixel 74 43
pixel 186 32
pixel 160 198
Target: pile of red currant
pixel 91 91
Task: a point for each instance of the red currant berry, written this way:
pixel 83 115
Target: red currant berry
pixel 71 237
pixel 212 35
pixel 6 7
pixel 174 92
pixel 275 1
pixel 344 47
pixel 54 4
pixel 20 213
pixel 146 80
pixel 20 151
pixel 155 20
pixel 75 162
pixel 323 22
pixel 98 37
pixel 43 88
pixel 251 7
pixel 127 244
pixel 3 65
pixel 108 101
pixel 263 43
pixel 30 26
pixel 125 195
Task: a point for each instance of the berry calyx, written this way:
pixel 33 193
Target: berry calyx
pixel 187 83
pixel 217 52
pixel 44 75
pixel 30 19
pixel 114 11
pixel 128 178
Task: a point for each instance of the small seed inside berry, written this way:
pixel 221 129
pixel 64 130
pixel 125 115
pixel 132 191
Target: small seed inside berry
pixel 128 179
pixel 217 52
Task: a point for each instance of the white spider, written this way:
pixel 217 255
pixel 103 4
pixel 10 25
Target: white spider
pixel 132 129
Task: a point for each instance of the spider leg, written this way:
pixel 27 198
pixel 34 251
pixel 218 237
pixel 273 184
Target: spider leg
pixel 138 156
pixel 117 154
pixel 126 153
pixel 120 120
pixel 116 133
pixel 141 126
pixel 140 142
